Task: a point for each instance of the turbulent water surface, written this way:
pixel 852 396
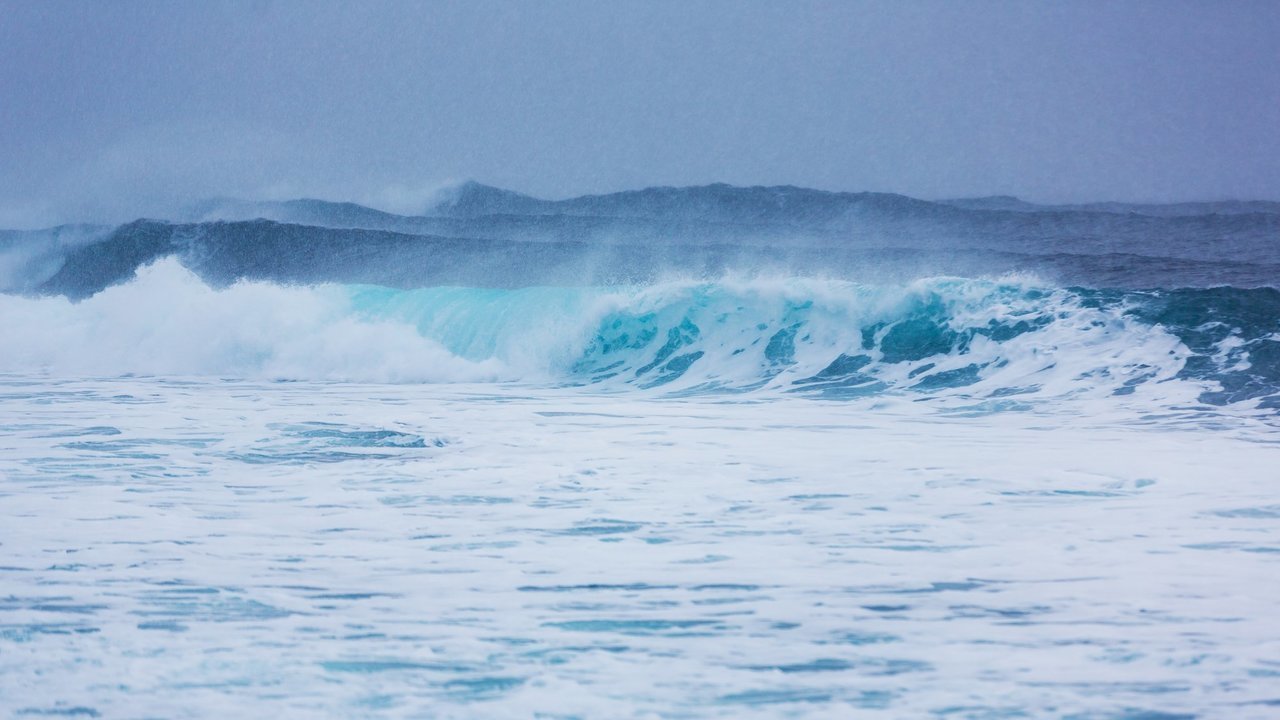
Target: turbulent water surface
pixel 564 465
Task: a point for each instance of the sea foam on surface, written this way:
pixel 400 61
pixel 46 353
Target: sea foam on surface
pixel 192 547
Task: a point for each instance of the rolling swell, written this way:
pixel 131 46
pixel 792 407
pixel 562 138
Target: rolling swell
pixel 486 237
pixel 224 252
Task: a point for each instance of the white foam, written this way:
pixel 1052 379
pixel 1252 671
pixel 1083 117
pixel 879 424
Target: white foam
pixel 167 322
pixel 164 555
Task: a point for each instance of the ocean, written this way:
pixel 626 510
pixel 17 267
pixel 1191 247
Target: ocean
pixel 701 453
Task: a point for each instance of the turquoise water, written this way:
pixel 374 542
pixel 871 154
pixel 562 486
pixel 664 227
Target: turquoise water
pixel 753 497
pixel 1006 341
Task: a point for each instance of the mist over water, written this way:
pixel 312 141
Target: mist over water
pixel 871 360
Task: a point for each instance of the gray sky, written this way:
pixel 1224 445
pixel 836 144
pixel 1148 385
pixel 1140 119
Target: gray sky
pixel 110 110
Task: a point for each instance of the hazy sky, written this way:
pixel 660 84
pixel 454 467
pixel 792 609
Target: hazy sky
pixel 125 108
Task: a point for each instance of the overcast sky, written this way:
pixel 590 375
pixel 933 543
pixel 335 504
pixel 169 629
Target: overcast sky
pixel 111 110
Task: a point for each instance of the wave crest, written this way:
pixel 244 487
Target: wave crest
pixel 168 322
pixel 1011 339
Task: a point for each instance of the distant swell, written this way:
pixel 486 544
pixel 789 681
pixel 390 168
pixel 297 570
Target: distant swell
pixel 1001 343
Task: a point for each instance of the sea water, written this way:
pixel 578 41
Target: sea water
pixel 958 498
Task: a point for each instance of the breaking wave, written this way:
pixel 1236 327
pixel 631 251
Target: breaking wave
pixel 1006 341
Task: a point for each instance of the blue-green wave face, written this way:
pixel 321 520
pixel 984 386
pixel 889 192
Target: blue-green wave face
pixel 1000 342
pixel 833 339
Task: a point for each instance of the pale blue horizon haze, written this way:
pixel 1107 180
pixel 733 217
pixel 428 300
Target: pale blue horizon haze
pixel 112 111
